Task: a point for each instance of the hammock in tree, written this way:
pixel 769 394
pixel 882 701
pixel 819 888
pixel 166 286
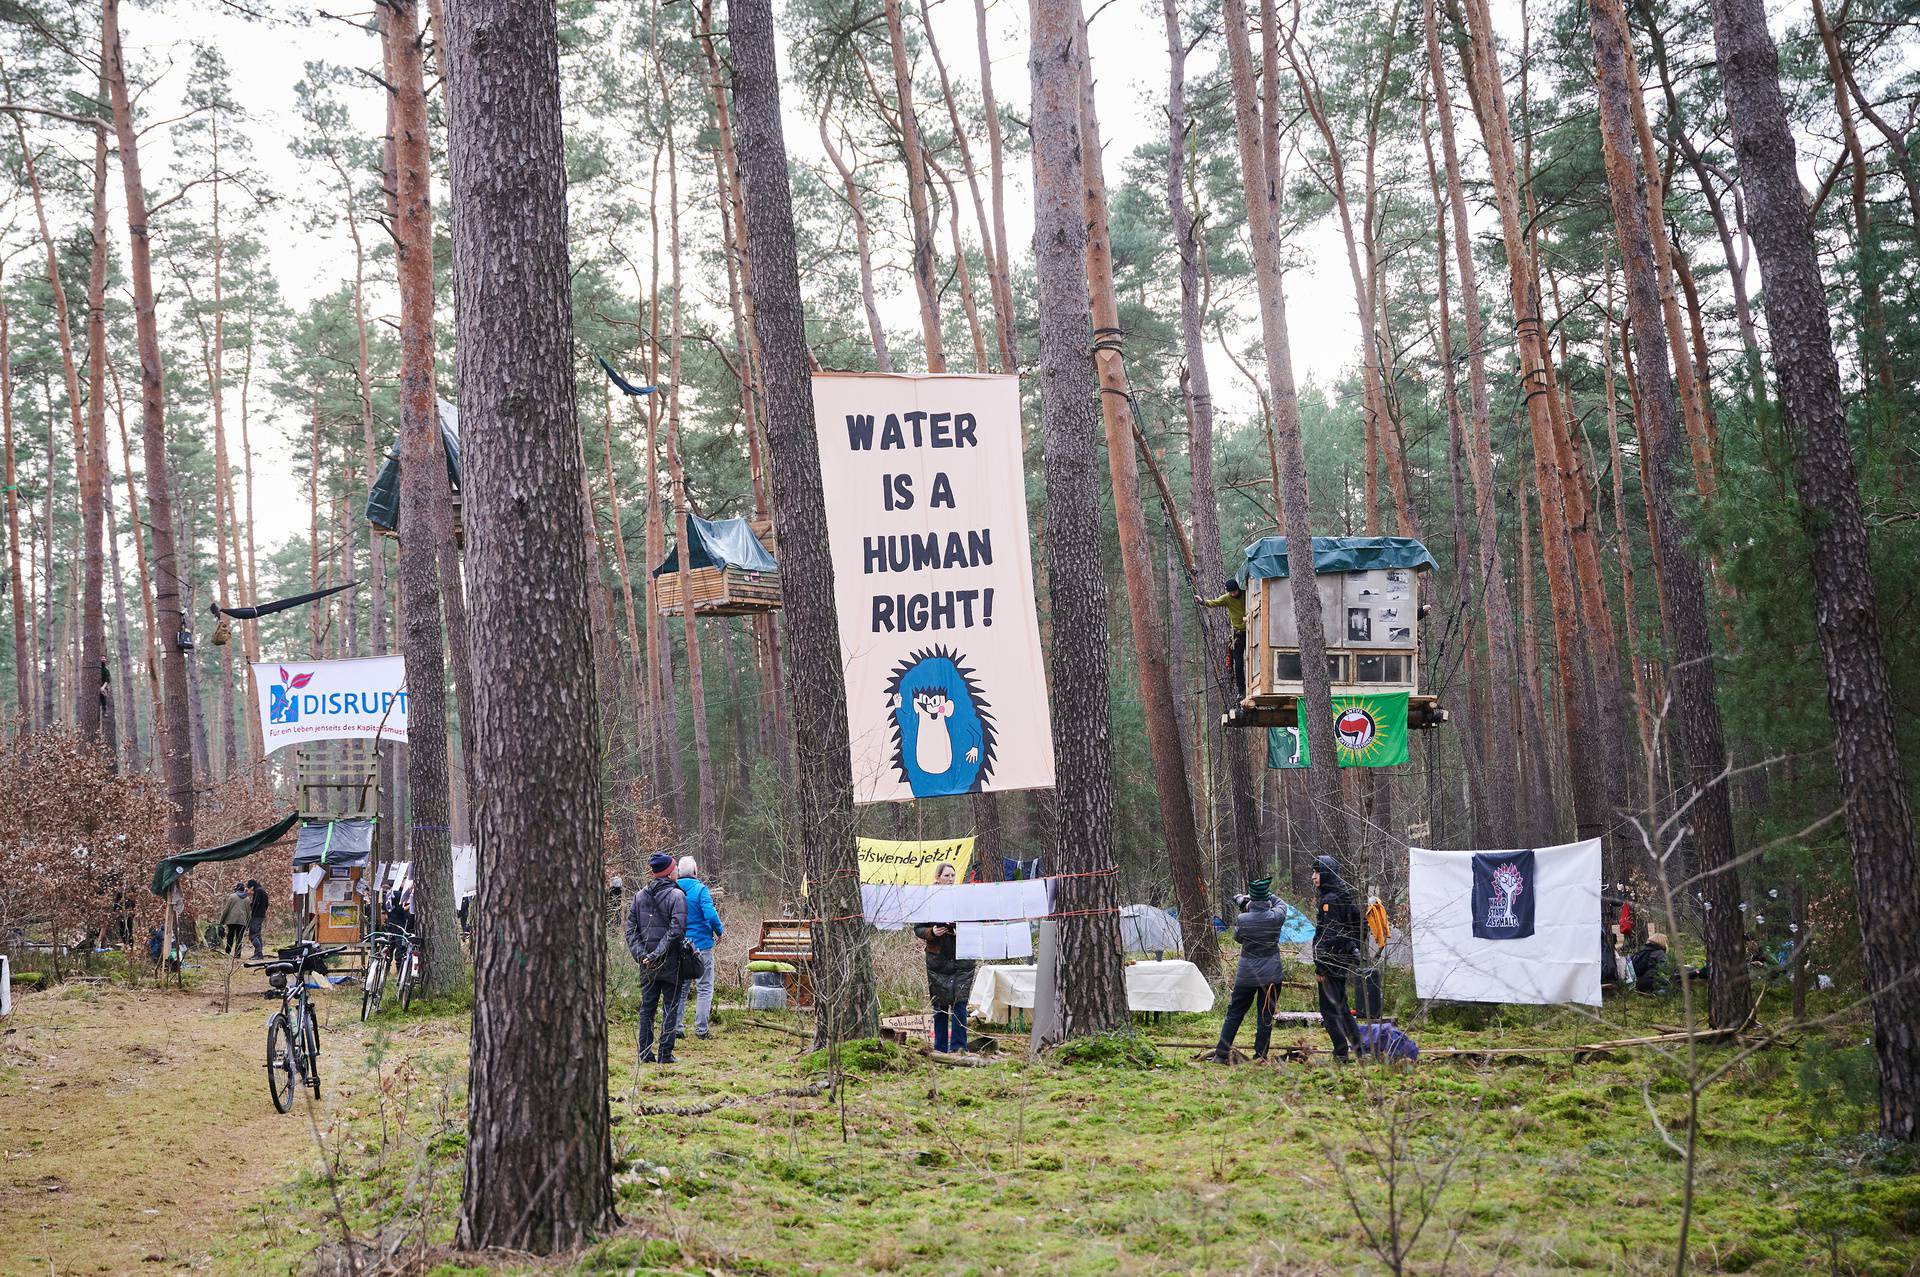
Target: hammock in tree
pixel 222 631
pixel 622 382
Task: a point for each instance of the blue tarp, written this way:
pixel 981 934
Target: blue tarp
pixel 1299 925
pixel 1267 557
pixel 719 543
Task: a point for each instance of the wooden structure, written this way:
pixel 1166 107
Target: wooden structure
pixel 788 940
pixel 733 571
pixel 1370 613
pixel 338 785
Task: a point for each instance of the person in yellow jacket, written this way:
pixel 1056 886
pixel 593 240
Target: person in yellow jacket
pixel 1234 599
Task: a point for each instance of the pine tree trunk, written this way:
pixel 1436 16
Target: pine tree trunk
pixel 157 718
pixel 1289 451
pixel 1623 544
pixel 823 789
pixel 93 694
pixel 1003 311
pixel 425 506
pixel 925 285
pixel 1693 681
pixel 1860 697
pixel 1236 805
pixel 16 579
pixel 178 751
pixel 1092 988
pixel 1151 667
pixel 539 1157
pixel 862 242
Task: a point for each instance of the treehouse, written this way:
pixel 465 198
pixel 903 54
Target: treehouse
pixel 1370 611
pixel 338 782
pixel 732 573
pixel 383 500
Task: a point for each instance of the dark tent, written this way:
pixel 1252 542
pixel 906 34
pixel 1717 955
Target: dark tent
pixel 383 500
pixel 173 868
pixel 720 543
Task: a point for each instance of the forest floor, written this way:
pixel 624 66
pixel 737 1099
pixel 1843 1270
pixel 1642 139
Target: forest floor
pixel 1128 1162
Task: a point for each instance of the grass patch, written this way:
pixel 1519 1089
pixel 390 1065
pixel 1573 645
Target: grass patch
pixel 1123 1050
pixel 862 1055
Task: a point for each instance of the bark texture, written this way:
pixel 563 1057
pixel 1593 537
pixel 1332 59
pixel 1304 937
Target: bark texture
pixel 1092 990
pixel 823 792
pixel 1860 698
pixel 539 1159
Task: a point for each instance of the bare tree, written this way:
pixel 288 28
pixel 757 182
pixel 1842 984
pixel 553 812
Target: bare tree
pixel 1860 697
pixel 1093 989
pixel 823 792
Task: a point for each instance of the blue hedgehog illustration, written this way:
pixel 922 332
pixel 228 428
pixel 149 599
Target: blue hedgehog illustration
pixel 942 729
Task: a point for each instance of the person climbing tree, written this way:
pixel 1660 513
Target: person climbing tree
pixel 1233 597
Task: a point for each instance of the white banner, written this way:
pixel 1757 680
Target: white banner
pixel 331 700
pixel 1531 933
pixel 933 576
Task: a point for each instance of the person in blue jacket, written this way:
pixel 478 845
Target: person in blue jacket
pixel 704 931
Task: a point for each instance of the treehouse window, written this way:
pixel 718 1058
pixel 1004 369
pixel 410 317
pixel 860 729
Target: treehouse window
pixel 1286 667
pixel 1382 667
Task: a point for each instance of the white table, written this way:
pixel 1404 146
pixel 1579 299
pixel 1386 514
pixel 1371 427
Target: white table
pixel 1173 985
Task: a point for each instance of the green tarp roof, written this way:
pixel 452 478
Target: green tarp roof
pixel 1267 557
pixel 170 870
pixel 383 499
pixel 720 543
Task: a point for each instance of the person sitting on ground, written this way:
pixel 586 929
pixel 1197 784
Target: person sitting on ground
pixel 949 977
pixel 1653 970
pixel 1336 955
pixel 656 924
pixel 1234 598
pixel 1256 980
pixel 234 917
pixel 703 932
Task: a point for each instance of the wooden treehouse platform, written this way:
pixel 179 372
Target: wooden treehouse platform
pixel 1268 710
pixel 728 591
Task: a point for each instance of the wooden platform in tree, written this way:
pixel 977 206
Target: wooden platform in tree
pixel 1283 711
pixel 728 591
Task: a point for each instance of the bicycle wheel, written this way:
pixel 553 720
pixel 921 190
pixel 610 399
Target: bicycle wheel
pixel 375 987
pixel 313 1050
pixel 409 976
pixel 280 1062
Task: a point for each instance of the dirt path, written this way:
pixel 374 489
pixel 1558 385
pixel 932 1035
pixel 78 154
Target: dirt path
pixel 135 1126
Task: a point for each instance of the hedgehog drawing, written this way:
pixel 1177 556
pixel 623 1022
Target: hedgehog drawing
pixel 943 741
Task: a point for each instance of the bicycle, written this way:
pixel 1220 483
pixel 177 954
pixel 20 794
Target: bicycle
pixel 389 951
pixel 293 1034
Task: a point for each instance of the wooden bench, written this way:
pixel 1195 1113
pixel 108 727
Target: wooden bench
pixel 790 941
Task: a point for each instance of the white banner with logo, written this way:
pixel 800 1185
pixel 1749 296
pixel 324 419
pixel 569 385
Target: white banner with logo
pixel 933 576
pixel 331 700
pixel 1507 926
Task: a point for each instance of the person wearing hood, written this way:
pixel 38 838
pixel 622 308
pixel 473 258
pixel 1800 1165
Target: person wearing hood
pixel 656 924
pixel 233 919
pixel 1256 981
pixel 1653 970
pixel 1336 954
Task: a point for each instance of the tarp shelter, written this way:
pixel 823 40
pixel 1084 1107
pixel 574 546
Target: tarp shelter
pixel 1147 929
pixel 173 868
pixel 1298 928
pixel 383 500
pixel 1267 557
pixel 719 543
pixel 337 844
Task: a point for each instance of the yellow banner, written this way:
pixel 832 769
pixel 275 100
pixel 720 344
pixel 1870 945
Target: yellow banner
pixel 912 863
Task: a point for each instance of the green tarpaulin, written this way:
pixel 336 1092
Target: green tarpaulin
pixel 170 870
pixel 1369 730
pixel 1267 557
pixel 383 500
pixel 720 543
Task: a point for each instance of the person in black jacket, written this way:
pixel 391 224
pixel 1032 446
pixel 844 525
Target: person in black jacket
pixel 949 978
pixel 656 924
pixel 256 916
pixel 1256 981
pixel 1336 954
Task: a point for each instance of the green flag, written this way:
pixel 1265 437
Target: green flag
pixel 1369 730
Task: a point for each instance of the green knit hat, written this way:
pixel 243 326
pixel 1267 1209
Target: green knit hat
pixel 1260 888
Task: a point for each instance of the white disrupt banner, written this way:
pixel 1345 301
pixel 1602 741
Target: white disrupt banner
pixel 331 700
pixel 933 577
pixel 1507 926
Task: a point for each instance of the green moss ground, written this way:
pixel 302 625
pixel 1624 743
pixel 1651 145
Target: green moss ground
pixel 1135 1162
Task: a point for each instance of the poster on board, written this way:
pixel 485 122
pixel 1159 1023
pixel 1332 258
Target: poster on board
pixel 301 701
pixel 933 577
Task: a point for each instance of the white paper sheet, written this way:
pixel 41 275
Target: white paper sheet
pixel 890 906
pixel 993 941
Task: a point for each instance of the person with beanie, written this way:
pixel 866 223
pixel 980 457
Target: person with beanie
pixel 656 925
pixel 1336 954
pixel 1256 981
pixel 1233 597
pixel 703 932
